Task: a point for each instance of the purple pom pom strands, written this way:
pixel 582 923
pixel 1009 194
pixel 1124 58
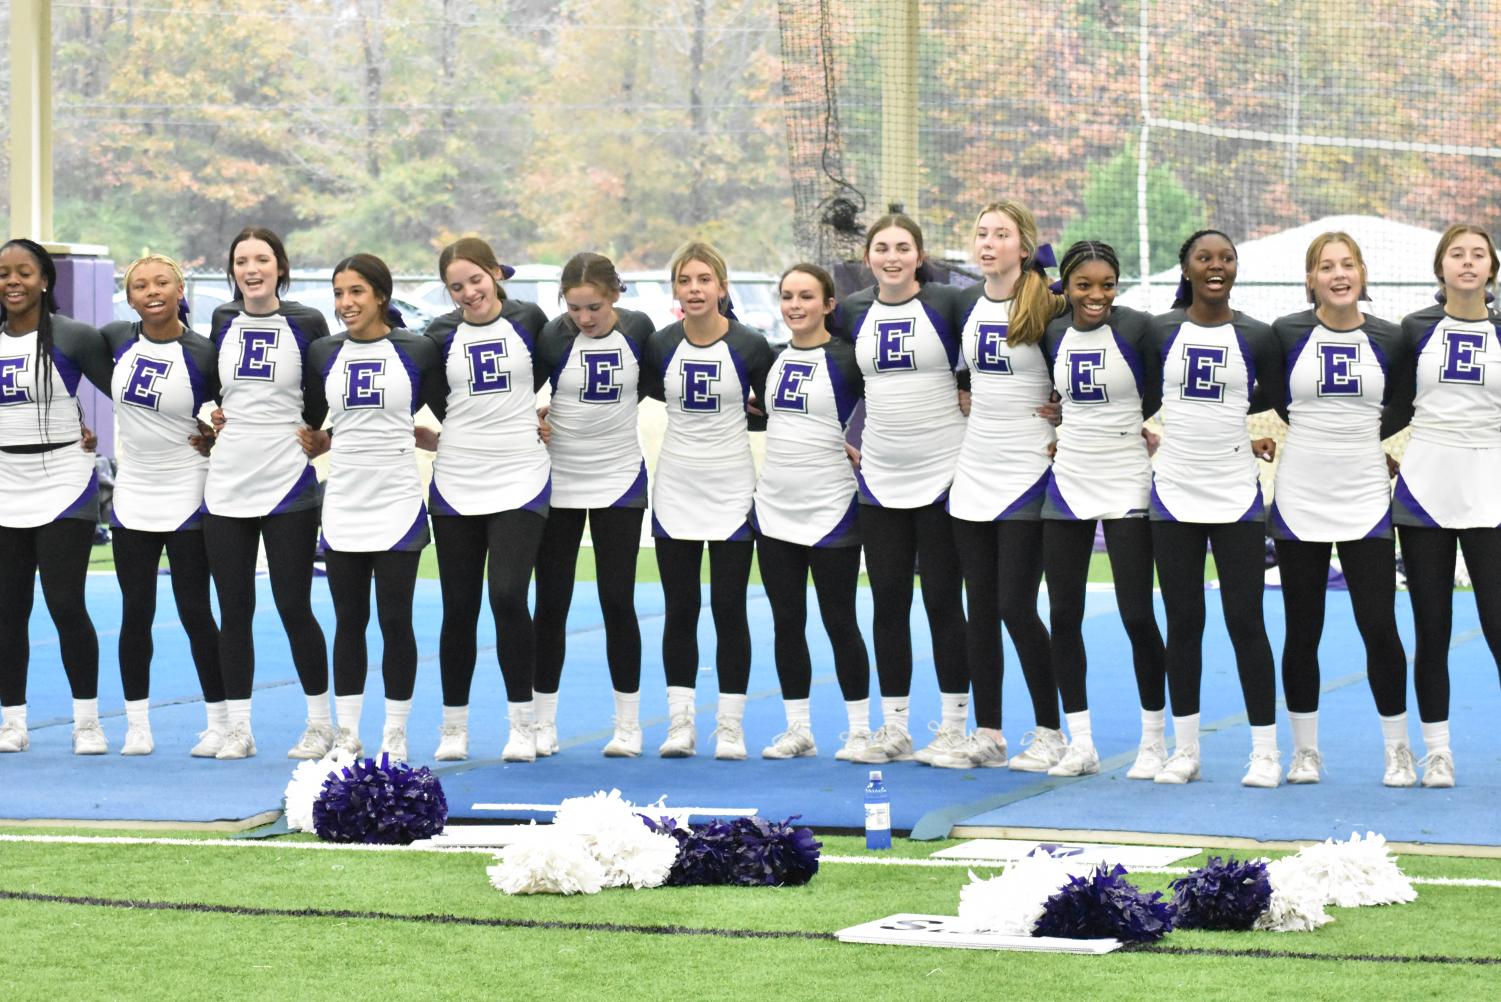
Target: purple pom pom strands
pixel 380 803
pixel 1228 895
pixel 1105 905
pixel 752 852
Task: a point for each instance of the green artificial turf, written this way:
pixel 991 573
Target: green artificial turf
pixel 58 950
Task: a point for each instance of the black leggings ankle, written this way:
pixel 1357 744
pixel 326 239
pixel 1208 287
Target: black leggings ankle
pixel 59 553
pixel 1428 556
pixel 395 575
pixel 137 556
pixel 785 568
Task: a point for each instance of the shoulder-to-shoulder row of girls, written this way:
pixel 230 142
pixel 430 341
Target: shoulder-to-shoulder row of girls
pixel 978 434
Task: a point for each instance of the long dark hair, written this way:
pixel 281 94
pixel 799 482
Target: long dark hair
pixel 44 321
pixel 373 270
pixel 278 250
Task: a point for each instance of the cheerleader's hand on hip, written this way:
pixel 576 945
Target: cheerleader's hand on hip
pixel 315 442
pixel 217 417
pixel 87 440
pixel 1153 440
pixel 426 438
pixel 544 430
pixel 202 442
pixel 852 454
pixel 1265 449
pixel 1052 411
pixel 964 402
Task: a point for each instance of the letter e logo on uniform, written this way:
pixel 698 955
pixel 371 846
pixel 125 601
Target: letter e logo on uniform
pixel 1082 367
pixel 256 347
pixel 792 390
pixel 600 386
pixel 892 351
pixel 486 368
pixel 1459 364
pixel 699 378
pixel 1335 377
pixel 990 345
pixel 1199 364
pixel 360 390
pixel 140 387
pixel 11 390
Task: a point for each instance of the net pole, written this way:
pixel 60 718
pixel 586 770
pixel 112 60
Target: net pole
pixel 898 59
pixel 31 119
pixel 1143 229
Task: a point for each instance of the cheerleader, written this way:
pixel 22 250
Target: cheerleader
pixel 592 355
pixel 906 336
pixel 1334 488
pixel 805 512
pixel 369 381
pixel 164 373
pixel 49 493
pixel 1216 366
pixel 1448 490
pixel 262 489
pixel 489 492
pixel 1110 381
pixel 705 368
pixel 996 501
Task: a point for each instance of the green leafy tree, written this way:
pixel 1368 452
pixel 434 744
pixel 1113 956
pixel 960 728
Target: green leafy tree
pixel 1110 212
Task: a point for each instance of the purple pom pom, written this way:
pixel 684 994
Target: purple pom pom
pixel 1222 894
pixel 380 803
pixel 1105 905
pixel 772 853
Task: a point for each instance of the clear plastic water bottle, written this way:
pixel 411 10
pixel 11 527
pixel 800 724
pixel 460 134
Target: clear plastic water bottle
pixel 877 813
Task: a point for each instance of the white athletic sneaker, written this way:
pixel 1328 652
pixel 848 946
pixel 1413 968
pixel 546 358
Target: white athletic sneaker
pixel 521 744
pixel 1181 767
pixel 238 743
pixel 1401 770
pixel 979 751
pixel 1078 760
pixel 946 740
pixel 795 742
pixel 1438 769
pixel 1308 763
pixel 1044 748
pixel 729 737
pixel 393 742
pixel 1151 756
pixel 626 743
pixel 855 743
pixel 88 739
pixel 348 741
pixel 138 741
pixel 682 737
pixel 547 739
pixel 888 744
pixel 453 743
pixel 13 737
pixel 209 743
pixel 316 741
pixel 1265 771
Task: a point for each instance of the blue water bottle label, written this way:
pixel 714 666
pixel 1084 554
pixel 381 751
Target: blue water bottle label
pixel 878 816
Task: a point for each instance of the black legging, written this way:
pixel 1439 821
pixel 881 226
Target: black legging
pixel 1066 546
pixel 510 539
pixel 616 536
pixel 679 562
pixel 395 577
pixel 59 552
pixel 1428 556
pixel 291 539
pixel 836 572
pixel 1240 560
pixel 1369 567
pixel 1002 563
pixel 138 554
pixel 895 539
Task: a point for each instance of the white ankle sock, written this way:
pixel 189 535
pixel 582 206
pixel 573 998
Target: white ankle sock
pixel 216 716
pixel 545 707
pixel 627 708
pixel 894 712
pixel 14 714
pixel 954 714
pixel 1394 730
pixel 1264 740
pixel 1154 726
pixel 85 710
pixel 138 713
pixel 520 714
pixel 680 700
pixel 1305 730
pixel 1079 729
pixel 397 712
pixel 732 705
pixel 1435 736
pixel 349 708
pixel 237 711
pixel 1185 731
pixel 456 716
pixel 798 712
pixel 858 711
pixel 317 709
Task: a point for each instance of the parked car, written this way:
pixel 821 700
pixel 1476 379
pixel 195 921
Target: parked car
pixel 203 299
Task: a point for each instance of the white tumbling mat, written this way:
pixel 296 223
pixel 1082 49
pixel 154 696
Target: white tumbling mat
pixel 951 932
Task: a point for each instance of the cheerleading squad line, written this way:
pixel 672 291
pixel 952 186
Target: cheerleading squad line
pixel 1001 424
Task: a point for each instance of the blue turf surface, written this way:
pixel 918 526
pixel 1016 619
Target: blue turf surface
pixel 170 785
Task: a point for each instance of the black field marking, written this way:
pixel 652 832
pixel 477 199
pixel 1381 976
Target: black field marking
pixel 430 919
pixel 1363 958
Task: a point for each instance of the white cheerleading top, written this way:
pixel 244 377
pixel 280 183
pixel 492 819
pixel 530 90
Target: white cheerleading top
pixel 1003 460
pixel 806 494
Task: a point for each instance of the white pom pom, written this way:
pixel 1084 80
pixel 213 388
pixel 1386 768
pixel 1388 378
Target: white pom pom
pixel 1297 903
pixel 630 853
pixel 1012 903
pixel 305 786
pixel 1354 873
pixel 545 861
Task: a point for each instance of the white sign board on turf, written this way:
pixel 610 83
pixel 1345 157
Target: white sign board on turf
pixel 1084 853
pixel 954 933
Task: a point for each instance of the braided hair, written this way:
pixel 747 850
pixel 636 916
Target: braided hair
pixel 44 342
pixel 1184 297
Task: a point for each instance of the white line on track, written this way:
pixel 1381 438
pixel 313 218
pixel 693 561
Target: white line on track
pixel 225 843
